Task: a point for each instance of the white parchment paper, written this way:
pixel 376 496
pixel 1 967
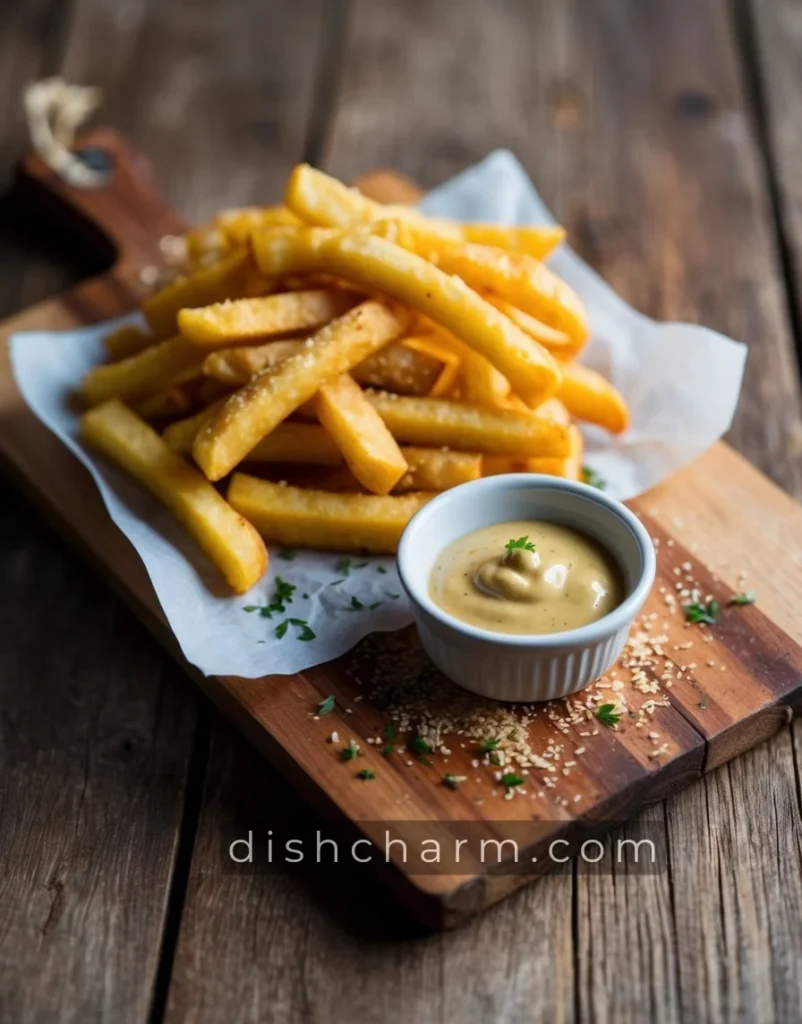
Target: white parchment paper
pixel 681 382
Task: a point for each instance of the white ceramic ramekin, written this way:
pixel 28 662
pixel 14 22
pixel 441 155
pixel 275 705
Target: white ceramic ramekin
pixel 519 667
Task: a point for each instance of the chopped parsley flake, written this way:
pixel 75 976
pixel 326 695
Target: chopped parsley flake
pixel 748 598
pixel 591 477
pixel 452 781
pixel 522 544
pixel 706 613
pixel 282 596
pixel 287 554
pixel 390 732
pixel 381 569
pixel 326 706
pixel 608 715
pixel 486 745
pixel 350 752
pixel 366 774
pixel 510 780
pixel 305 630
pixel 391 595
pixel 344 566
pixel 420 748
pixel 356 604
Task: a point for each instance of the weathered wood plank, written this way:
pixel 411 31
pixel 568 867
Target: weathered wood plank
pixel 95 735
pixel 220 99
pixel 327 944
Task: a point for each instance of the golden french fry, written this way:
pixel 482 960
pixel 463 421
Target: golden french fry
pixel 156 368
pixel 570 467
pixel 589 396
pixel 404 367
pixel 317 519
pixel 173 402
pixel 303 443
pixel 236 366
pixel 432 422
pixel 230 322
pixel 234 276
pixel 479 382
pixel 229 540
pixel 270 397
pixel 520 279
pixel 322 201
pixel 126 341
pixel 236 225
pixel 180 435
pixel 432 469
pixel 368 447
pixel 551 409
pixel 557 342
pixel 376 263
pixel 429 469
pixel 534 241
pixel 426 346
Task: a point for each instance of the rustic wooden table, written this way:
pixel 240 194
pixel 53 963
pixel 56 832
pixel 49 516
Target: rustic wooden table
pixel 668 141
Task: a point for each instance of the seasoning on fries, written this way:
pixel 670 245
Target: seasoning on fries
pixel 377 354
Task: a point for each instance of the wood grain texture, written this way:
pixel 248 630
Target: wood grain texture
pixel 95 734
pixel 222 101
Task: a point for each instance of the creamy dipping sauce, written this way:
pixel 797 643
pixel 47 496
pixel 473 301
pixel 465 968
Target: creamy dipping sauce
pixel 526 577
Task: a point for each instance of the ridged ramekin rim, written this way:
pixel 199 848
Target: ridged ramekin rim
pixel 619 618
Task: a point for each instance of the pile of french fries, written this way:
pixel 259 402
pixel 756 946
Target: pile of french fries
pixel 337 361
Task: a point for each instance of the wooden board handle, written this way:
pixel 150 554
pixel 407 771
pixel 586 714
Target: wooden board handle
pixel 128 211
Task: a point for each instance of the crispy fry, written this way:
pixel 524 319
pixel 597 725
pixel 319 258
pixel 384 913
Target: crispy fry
pixel 322 201
pixel 181 434
pixel 236 225
pixel 552 409
pixel 256 409
pixel 368 447
pixel 534 241
pixel 229 540
pixel 126 341
pixel 234 276
pixel 570 467
pixel 236 366
pixel 520 279
pixel 404 367
pixel 173 402
pixel 317 519
pixel 426 346
pixel 479 382
pixel 429 469
pixel 432 422
pixel 588 396
pixel 557 342
pixel 303 443
pixel 379 264
pixel 156 368
pixel 228 322
pixel 432 469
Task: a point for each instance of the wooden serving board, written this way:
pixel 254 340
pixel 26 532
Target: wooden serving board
pixel 720 514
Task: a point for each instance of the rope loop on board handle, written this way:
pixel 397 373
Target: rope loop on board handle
pixel 55 110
